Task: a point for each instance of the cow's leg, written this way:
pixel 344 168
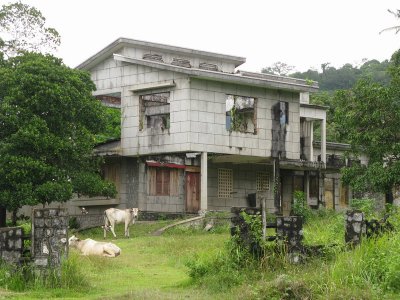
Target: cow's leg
pixel 109 251
pixel 126 229
pixel 112 229
pixel 105 226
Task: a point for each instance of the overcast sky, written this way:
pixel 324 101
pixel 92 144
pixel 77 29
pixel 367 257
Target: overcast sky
pixel 300 33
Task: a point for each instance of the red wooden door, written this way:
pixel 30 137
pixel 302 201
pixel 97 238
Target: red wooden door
pixel 192 192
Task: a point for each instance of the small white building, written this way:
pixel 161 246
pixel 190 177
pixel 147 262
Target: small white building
pixel 198 134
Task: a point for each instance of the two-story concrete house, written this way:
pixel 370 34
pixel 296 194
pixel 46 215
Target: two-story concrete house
pixel 199 134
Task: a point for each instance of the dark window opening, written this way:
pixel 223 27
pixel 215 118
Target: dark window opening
pixel 154 111
pixel 283 113
pixel 240 114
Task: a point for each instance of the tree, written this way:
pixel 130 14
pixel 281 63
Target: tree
pixel 396 29
pixel 22 28
pixel 368 115
pixel 48 119
pixel 278 68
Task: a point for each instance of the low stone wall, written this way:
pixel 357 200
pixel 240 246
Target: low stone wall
pixel 11 244
pixel 88 220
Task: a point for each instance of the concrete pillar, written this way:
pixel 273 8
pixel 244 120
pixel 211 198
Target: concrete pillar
pixel 323 140
pixel 203 183
pixel 307 186
pixel 354 227
pixel 311 158
pixel 289 230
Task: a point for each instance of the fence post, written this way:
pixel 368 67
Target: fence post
pixel 241 229
pixel 49 239
pixel 354 227
pixel 290 231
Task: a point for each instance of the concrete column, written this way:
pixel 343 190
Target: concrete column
pixel 203 183
pixel 311 141
pixel 307 186
pixel 323 140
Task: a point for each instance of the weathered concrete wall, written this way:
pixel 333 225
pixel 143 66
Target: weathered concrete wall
pixel 244 183
pixel 208 120
pixel 49 237
pixel 88 220
pixel 11 244
pixel 168 203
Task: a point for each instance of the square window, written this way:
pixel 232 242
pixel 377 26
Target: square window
pixel 225 183
pixel 262 181
pixel 240 114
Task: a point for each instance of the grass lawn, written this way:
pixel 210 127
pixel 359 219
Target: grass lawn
pixel 155 267
pixel 150 267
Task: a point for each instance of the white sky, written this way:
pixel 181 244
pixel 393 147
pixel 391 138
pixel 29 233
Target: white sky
pixel 300 33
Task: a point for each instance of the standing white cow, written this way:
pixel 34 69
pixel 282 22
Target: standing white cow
pixel 114 216
pixel 92 247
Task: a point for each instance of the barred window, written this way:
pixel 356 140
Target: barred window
pixel 225 183
pixel 262 181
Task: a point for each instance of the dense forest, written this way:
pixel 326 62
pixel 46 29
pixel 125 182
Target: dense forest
pixel 331 80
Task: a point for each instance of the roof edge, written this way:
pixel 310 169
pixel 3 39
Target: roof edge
pixel 122 42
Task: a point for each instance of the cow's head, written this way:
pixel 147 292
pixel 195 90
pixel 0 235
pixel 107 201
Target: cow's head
pixel 106 227
pixel 134 212
pixel 73 240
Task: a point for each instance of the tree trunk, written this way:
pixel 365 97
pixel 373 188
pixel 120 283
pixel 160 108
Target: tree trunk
pixel 14 217
pixel 3 216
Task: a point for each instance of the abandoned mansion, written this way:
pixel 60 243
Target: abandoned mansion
pixel 198 134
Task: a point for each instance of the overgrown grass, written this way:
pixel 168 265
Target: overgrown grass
pixel 190 263
pixel 369 271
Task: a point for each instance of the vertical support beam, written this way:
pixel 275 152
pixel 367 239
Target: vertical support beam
pixel 323 140
pixel 203 183
pixel 307 186
pixel 277 186
pixel 311 141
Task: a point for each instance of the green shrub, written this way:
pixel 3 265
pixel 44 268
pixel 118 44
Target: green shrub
pixel 300 206
pixel 366 205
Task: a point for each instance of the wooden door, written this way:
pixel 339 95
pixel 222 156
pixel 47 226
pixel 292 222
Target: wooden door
pixel 192 192
pixel 329 193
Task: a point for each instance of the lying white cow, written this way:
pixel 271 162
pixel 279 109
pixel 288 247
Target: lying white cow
pixel 92 247
pixel 114 216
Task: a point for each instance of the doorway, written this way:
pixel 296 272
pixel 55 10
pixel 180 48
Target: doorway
pixel 192 192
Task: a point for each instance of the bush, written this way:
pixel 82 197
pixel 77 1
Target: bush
pixel 366 205
pixel 300 206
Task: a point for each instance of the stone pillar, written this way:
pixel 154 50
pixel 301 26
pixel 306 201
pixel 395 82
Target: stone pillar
pixel 203 183
pixel 11 244
pixel 354 227
pixel 290 231
pixel 49 238
pixel 242 230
